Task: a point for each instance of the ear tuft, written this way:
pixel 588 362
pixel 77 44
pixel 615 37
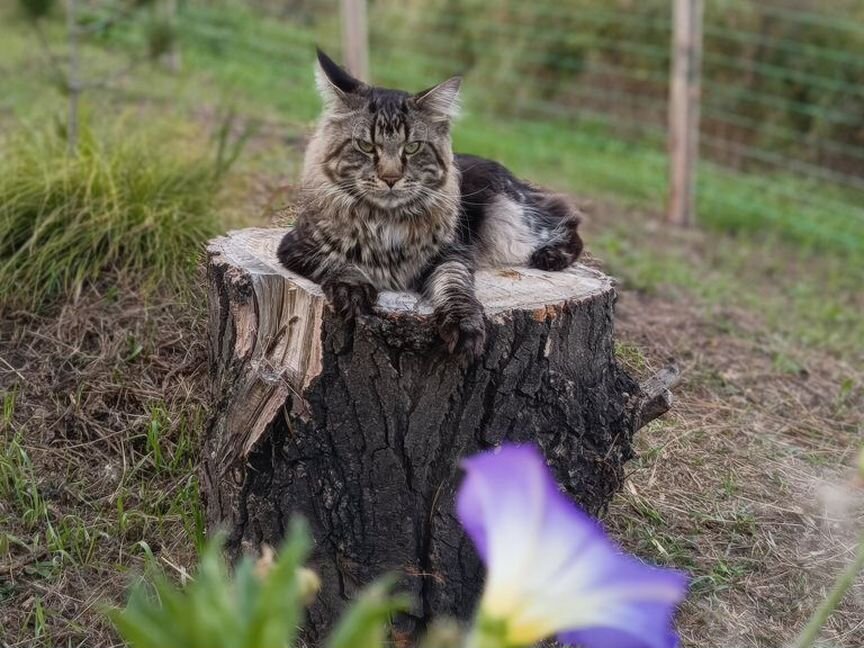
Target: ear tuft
pixel 442 100
pixel 335 85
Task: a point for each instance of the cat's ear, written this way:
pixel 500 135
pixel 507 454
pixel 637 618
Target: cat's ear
pixel 441 101
pixel 336 87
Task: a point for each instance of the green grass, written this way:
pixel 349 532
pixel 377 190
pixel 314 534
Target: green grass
pixel 631 356
pixel 18 484
pixel 587 158
pixel 127 202
pixel 805 297
pixel 263 66
pixel 84 521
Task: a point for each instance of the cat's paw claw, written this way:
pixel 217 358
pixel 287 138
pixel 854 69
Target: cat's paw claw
pixel 350 300
pixel 463 335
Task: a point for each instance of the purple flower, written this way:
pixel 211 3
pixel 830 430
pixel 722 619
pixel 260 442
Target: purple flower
pixel 551 570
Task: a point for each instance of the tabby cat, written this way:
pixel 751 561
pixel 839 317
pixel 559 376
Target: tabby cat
pixel 386 205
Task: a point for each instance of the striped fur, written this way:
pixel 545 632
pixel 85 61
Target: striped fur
pixel 386 205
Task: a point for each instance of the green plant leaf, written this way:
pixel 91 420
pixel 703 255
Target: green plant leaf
pixel 259 607
pixel 366 622
pixel 275 616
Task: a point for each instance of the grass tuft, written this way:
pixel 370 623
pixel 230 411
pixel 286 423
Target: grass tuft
pixel 18 485
pixel 125 203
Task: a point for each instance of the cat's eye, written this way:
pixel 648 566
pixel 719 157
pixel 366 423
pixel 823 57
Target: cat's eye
pixel 366 147
pixel 412 147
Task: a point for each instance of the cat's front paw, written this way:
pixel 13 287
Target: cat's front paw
pixel 464 334
pixel 350 300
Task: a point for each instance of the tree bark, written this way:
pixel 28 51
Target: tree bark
pixel 361 428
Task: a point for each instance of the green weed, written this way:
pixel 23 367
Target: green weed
pixel 72 539
pixel 190 509
pixel 158 422
pixel 170 447
pixel 18 483
pixel 38 618
pixel 8 408
pixel 256 605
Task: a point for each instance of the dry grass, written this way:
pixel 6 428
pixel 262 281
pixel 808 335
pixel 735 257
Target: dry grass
pixel 745 483
pixel 104 402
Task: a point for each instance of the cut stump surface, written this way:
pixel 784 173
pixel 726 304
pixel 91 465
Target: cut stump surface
pixel 360 428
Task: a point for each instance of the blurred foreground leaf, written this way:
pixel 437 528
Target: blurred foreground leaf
pixel 257 608
pixel 366 622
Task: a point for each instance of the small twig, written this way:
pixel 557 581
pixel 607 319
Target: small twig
pixel 181 571
pixel 13 369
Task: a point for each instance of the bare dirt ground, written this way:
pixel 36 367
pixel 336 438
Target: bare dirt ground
pixel 745 484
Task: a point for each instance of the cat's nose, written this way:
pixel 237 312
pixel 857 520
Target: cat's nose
pixel 390 178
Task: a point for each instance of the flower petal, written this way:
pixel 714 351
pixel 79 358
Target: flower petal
pixel 656 635
pixel 635 606
pixel 551 568
pixel 503 516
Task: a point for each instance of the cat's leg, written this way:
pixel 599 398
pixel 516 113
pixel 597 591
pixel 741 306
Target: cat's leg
pixel 449 286
pixel 300 252
pixel 563 245
pixel 348 291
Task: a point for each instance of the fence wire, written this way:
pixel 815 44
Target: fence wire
pixel 782 128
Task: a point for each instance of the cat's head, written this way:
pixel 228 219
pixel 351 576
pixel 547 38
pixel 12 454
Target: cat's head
pixel 386 147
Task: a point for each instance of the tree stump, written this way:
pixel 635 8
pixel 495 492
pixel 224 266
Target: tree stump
pixel 361 428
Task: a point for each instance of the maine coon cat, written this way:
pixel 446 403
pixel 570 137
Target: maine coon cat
pixel 386 205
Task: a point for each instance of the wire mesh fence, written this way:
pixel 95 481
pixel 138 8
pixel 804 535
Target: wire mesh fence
pixel 579 90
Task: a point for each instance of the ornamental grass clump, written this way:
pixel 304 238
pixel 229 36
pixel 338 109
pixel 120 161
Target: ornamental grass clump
pixel 130 203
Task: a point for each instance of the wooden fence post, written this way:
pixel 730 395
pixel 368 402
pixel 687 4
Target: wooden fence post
pixel 684 98
pixel 355 38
